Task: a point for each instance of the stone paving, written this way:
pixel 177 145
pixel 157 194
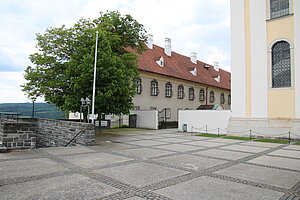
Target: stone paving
pixel 148 164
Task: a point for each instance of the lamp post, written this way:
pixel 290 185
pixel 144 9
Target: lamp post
pixel 88 103
pixel 82 104
pixel 94 83
pixel 85 103
pixel 32 116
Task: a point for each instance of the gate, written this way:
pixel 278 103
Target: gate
pixel 163 117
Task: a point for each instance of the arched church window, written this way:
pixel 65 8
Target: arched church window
pixel 281 65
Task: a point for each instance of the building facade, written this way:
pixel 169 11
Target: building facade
pixel 170 82
pixel 265 66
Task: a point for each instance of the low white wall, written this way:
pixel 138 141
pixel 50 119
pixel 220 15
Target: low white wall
pixel 146 118
pixel 197 120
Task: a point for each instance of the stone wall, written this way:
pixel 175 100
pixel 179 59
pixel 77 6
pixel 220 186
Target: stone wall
pixel 58 133
pixel 38 133
pixel 18 134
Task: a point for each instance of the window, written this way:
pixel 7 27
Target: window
pixel 279 8
pixel 222 98
pixel 191 94
pixel 211 97
pixel 169 92
pixel 137 108
pixel 139 87
pixel 281 65
pixel 154 88
pixel 202 95
pixel 229 99
pixel 180 92
pixel 168 113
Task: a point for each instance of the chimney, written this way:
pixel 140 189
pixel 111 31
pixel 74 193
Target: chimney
pixel 150 41
pixel 194 57
pixel 216 66
pixel 168 47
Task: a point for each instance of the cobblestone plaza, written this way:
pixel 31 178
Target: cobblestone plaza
pixel 144 164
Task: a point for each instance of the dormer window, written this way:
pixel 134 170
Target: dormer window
pixel 194 72
pixel 217 78
pixel 161 62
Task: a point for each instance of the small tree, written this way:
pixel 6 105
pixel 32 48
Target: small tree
pixel 63 67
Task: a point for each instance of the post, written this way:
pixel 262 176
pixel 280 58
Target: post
pixel 32 116
pixel 80 112
pixel 94 83
pixel 218 132
pixel 192 130
pixel 206 128
pixel 250 134
pixel 289 137
pixel 88 115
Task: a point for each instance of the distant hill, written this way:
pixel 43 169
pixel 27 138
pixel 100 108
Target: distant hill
pixel 42 110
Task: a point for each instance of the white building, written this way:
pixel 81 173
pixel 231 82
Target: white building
pixel 265 82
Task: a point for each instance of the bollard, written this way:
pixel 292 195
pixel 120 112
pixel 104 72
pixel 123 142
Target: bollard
pixel 218 132
pixel 206 128
pixel 289 137
pixel 250 135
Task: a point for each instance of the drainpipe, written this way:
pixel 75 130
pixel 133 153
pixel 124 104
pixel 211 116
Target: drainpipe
pixel 206 94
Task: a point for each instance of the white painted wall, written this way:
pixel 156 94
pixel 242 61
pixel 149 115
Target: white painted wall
pixel 146 118
pixel 259 66
pixel 297 55
pixel 238 57
pixel 197 120
pixel 76 115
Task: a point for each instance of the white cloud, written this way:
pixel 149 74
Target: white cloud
pixel 10 90
pixel 193 25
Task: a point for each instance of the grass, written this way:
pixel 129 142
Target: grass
pixel 121 126
pixel 279 141
pixel 236 138
pixel 272 141
pixel 210 135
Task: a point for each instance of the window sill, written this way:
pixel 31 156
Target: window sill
pixel 283 16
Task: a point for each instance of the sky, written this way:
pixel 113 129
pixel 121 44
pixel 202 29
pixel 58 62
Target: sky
pixel 201 26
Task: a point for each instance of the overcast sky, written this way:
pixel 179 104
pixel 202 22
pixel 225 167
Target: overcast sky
pixel 201 26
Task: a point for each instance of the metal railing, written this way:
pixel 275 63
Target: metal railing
pixel 73 138
pixel 252 133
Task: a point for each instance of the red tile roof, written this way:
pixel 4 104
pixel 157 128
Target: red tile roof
pixel 179 66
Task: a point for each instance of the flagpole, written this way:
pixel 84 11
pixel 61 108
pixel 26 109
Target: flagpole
pixel 94 83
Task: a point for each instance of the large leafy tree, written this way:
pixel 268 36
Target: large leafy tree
pixel 63 67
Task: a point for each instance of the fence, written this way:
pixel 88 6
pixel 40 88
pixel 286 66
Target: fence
pixel 245 133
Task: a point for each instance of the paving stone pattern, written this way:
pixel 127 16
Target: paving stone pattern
pixel 156 165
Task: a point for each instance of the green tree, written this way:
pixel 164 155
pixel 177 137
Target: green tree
pixel 63 67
